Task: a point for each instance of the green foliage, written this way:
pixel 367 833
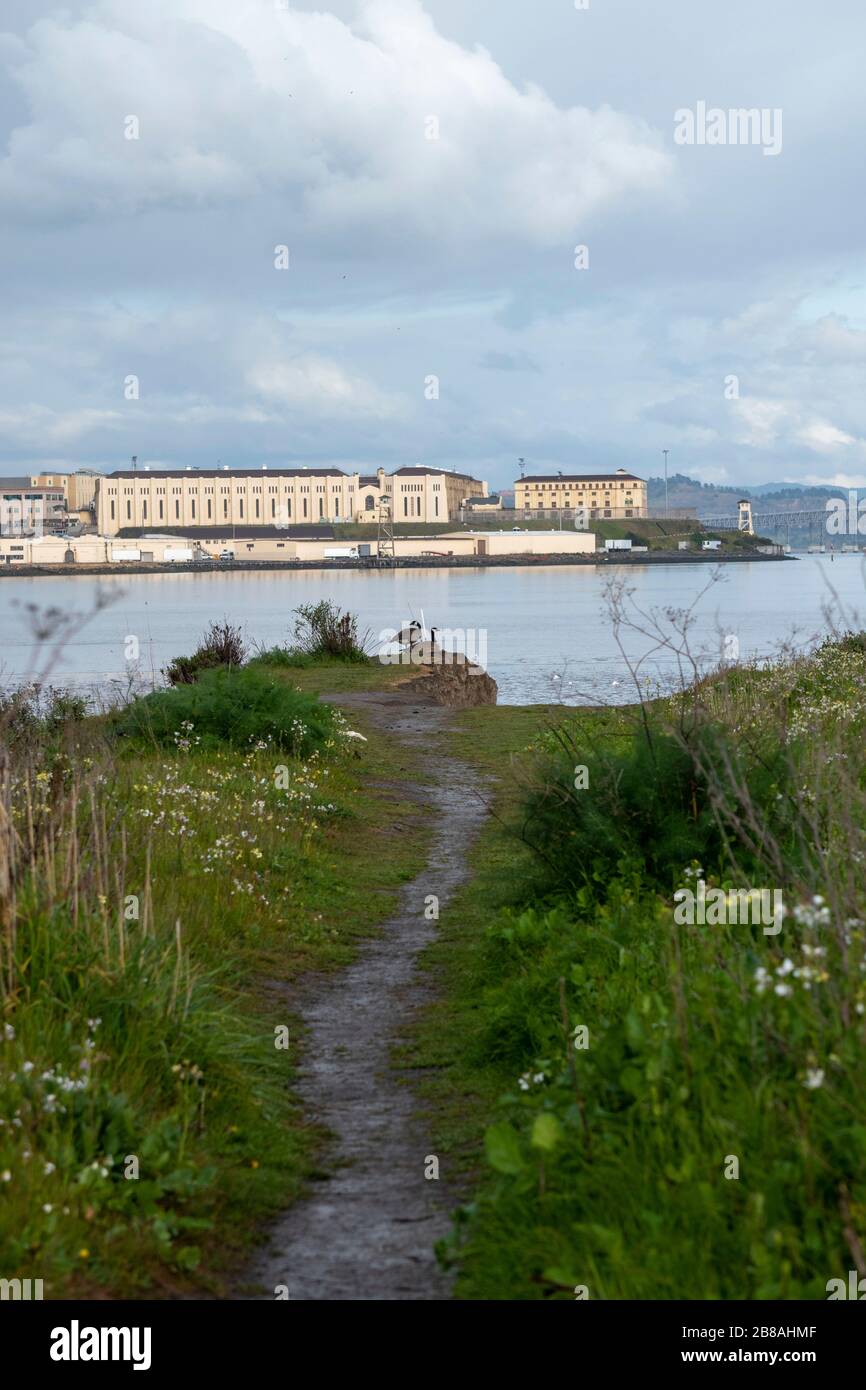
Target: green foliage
pixel 34 712
pixel 323 630
pixel 704 1137
pixel 238 708
pixel 223 646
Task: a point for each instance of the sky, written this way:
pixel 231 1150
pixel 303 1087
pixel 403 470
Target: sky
pixel 446 232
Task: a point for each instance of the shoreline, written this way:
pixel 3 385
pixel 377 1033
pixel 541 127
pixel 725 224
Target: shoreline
pixel 402 562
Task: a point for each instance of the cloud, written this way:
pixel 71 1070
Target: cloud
pixel 233 99
pixel 319 385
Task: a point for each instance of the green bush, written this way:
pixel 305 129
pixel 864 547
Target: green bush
pixel 239 708
pixel 223 646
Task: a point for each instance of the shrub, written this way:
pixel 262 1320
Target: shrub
pixel 322 629
pixel 223 645
pixel 240 708
pixel 31 712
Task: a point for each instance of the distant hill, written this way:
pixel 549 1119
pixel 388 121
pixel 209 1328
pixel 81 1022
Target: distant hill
pixel 710 499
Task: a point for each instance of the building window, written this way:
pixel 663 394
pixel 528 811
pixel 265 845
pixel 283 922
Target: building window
pixel 144 511
pixel 176 509
pixel 242 506
pixel 436 505
pixel 129 511
pixel 193 509
pixel 321 507
pixel 160 508
pixel 208 509
pixel 273 506
pixel 405 506
pixel 257 508
pixel 305 506
pixel 112 509
pixel 225 506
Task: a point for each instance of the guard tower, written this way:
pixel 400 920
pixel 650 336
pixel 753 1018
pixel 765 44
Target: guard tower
pixel 744 516
pixel 385 554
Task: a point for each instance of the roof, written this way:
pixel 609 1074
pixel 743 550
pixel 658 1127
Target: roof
pixel 622 477
pixel 228 533
pixel 228 473
pixel 368 480
pixel 25 485
pixel 494 500
pixel 429 472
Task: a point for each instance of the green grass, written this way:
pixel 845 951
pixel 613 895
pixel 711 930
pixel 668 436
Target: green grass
pixel 705 1139
pixel 206 884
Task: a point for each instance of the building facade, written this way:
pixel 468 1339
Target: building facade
pixel 28 507
pixel 617 496
pixel 277 497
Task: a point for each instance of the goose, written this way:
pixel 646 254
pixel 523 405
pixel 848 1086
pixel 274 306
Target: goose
pixel 411 634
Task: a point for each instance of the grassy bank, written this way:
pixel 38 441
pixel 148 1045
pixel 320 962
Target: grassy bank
pixel 166 873
pixel 633 1106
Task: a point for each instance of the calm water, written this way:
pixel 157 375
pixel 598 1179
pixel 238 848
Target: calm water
pixel 547 630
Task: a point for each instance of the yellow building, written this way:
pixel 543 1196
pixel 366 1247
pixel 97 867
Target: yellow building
pixel 277 497
pixel 618 495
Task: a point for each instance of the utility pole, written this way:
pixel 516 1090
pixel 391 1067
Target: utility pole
pixel 666 452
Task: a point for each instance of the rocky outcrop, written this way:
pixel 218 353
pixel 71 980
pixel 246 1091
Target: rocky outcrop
pixel 457 684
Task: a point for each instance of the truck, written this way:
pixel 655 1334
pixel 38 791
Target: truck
pixel 617 545
pixel 341 552
pixel 177 552
pixel 125 552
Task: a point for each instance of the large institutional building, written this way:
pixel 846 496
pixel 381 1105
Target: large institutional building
pixel 616 495
pixel 277 497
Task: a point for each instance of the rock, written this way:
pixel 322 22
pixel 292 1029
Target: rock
pixel 456 684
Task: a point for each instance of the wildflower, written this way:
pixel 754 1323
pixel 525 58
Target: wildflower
pixel 8 1032
pixel 84 1254
pixel 5 1176
pixel 49 1168
pixel 254 1163
pixel 47 1208
pixel 783 991
pixel 814 1078
pixel 762 979
pixel 785 968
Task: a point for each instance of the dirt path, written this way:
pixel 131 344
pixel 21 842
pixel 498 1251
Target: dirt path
pixel 368 1232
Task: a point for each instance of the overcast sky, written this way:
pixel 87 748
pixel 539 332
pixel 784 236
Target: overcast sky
pixel 309 126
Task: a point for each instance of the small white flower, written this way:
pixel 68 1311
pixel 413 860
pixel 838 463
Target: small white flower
pixel 5 1176
pixel 47 1207
pixel 786 967
pixel 783 990
pixel 49 1168
pixel 814 1078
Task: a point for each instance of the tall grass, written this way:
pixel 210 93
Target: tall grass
pixel 139 881
pixel 703 1137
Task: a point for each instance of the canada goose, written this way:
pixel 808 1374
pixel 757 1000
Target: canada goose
pixel 411 634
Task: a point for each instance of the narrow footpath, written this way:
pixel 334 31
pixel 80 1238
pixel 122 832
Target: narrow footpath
pixel 368 1231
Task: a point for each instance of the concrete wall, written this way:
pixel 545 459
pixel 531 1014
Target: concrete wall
pixel 92 550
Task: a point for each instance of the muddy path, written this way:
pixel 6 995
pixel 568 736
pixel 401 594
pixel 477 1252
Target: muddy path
pixel 368 1231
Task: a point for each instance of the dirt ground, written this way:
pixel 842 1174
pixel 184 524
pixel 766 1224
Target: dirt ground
pixel 368 1230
